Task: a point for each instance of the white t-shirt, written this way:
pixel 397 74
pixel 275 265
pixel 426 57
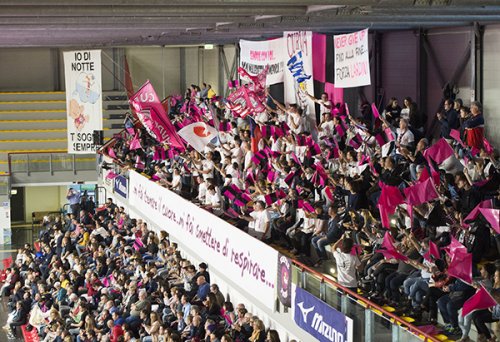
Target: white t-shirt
pixel 346 268
pixel 322 107
pixel 176 182
pixel 298 121
pixel 208 165
pixel 327 129
pixel 260 220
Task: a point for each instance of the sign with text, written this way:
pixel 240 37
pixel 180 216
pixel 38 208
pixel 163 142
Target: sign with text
pixel 295 92
pixel 352 61
pixel 5 225
pixel 224 246
pixel 82 71
pixel 121 186
pixel 254 56
pixel 320 319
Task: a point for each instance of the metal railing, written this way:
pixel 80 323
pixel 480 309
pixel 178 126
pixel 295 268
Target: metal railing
pixel 4 185
pixel 371 321
pixel 50 162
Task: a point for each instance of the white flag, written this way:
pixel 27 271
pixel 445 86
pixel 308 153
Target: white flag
pixel 199 135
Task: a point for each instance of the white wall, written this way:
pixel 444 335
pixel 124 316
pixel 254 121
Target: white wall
pixel 44 198
pixel 491 85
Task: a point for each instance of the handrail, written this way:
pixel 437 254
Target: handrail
pixel 369 304
pixel 10 154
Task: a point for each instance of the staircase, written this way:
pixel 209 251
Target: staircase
pixel 35 122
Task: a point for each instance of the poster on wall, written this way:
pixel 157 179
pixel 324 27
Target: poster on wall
pixel 352 60
pixel 298 50
pixel 5 225
pixel 255 56
pixel 222 245
pixel 82 71
pixel 319 319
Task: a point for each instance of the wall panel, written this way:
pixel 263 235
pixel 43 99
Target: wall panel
pixel 399 65
pixel 491 83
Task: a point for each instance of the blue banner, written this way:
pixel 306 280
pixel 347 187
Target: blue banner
pixel 121 186
pixel 320 319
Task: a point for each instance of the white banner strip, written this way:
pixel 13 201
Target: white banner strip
pixel 243 258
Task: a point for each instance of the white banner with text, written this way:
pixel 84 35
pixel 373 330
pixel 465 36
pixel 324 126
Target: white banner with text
pixel 352 60
pixel 296 41
pixel 246 260
pixel 255 56
pixel 82 71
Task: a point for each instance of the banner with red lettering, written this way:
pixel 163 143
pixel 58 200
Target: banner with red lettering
pixel 295 92
pixel 255 56
pixel 352 61
pixel 153 117
pixel 82 72
pixel 243 258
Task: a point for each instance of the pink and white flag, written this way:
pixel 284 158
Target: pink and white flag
pixel 153 117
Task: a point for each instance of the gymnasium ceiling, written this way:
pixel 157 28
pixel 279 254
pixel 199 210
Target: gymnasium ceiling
pixel 88 23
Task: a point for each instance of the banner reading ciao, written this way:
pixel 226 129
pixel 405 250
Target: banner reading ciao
pixel 244 259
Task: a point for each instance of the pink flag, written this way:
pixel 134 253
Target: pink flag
pixel 111 153
pixel 111 175
pixel 439 152
pixel 480 301
pixel 429 329
pixel 421 192
pixel 135 143
pixel 389 134
pixel 153 117
pixel 432 252
pixel 492 216
pixel 461 265
pixel 390 252
pixel 455 134
pixel 380 139
pixel 474 212
pixel 375 112
pixel 390 196
pixel 454 246
pixel 487 146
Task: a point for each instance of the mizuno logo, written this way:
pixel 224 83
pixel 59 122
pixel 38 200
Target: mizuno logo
pixel 304 311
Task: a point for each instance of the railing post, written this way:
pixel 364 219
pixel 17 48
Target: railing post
pixel 369 325
pixel 50 165
pixel 28 162
pixel 322 290
pixel 395 332
pixel 303 278
pixel 73 161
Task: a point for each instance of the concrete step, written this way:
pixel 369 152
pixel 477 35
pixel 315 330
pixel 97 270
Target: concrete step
pixel 27 144
pixel 43 124
pixel 29 124
pixel 56 104
pixel 115 114
pixel 15 134
pixel 52 95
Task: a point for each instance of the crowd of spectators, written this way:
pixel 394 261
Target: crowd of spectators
pixel 306 186
pixel 100 275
